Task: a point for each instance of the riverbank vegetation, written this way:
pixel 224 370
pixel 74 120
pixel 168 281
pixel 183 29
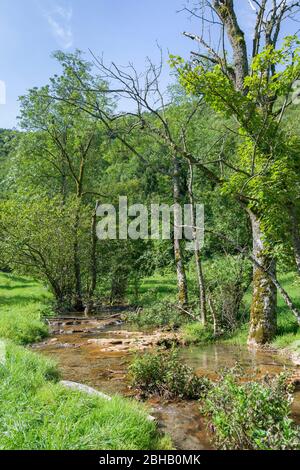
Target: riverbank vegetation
pixel 54 179
pixel 36 412
pixel 22 301
pixel 239 411
pixel 243 412
pixel 158 310
pixel 225 135
pixel 162 373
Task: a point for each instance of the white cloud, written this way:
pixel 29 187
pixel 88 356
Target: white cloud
pixel 59 19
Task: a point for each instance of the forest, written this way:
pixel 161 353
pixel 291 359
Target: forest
pixel 156 341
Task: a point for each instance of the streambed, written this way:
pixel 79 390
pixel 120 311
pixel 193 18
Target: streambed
pixel 95 352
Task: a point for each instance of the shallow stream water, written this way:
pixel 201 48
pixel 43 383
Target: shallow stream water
pixel 83 361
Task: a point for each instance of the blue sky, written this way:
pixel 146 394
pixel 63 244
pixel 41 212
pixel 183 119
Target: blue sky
pixel 124 30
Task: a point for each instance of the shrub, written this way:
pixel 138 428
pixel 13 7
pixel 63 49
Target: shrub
pixel 49 309
pixel 162 373
pixel 227 280
pixel 197 333
pixel 158 315
pixel 251 415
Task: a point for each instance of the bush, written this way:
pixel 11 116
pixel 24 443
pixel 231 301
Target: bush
pixel 162 373
pixel 196 333
pixel 227 280
pixel 158 315
pixel 251 415
pixel 39 414
pixel 23 325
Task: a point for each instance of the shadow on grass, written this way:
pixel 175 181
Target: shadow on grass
pixel 19 279
pixel 18 291
pixel 159 286
pixel 18 286
pixel 18 300
pixel 286 322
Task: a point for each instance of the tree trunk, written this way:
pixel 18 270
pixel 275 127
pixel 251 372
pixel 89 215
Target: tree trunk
pixel 226 12
pixel 263 307
pixel 78 303
pixel 214 315
pixel 198 263
pixel 181 276
pixel 201 285
pixel 93 266
pixel 295 236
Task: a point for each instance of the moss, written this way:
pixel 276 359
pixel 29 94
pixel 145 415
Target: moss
pixel 263 317
pixel 223 11
pixel 182 295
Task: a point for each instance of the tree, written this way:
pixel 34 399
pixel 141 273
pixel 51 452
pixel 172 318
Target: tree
pixel 37 240
pixel 156 119
pixel 251 94
pixel 65 146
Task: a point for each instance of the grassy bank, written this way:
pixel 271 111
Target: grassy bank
pixel 159 288
pixel 22 302
pixel 288 331
pixel 36 412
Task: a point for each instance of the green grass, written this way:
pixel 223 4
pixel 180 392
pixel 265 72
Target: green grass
pixel 288 330
pixel 195 333
pixel 16 290
pixel 163 287
pixel 38 413
pixel 21 303
pixel 156 288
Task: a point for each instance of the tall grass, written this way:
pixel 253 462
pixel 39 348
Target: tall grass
pixel 38 413
pixel 21 304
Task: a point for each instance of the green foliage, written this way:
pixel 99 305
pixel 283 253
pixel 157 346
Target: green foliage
pixel 239 336
pixel 120 273
pixel 196 333
pixel 38 240
pixel 158 314
pixel 219 91
pixel 162 373
pixel 227 279
pixel 265 168
pixel 159 286
pixel 290 341
pixel 251 415
pixel 287 59
pixel 38 414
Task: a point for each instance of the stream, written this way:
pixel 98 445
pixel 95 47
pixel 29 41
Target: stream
pixel 97 352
